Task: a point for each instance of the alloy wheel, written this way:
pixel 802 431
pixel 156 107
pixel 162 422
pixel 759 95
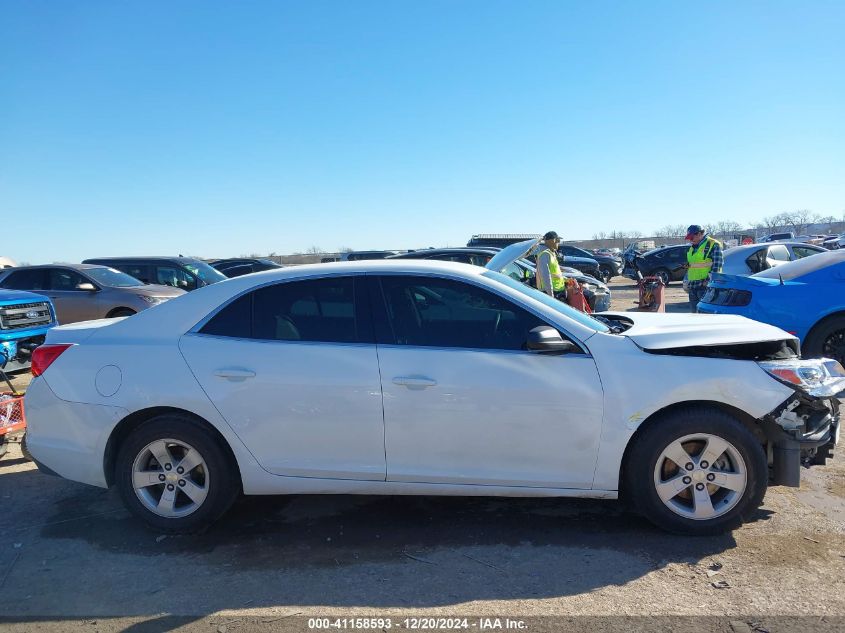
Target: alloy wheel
pixel 170 478
pixel 700 476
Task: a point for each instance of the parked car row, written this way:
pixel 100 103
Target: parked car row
pixel 669 263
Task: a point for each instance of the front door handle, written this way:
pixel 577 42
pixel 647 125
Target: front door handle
pixel 414 382
pixel 234 374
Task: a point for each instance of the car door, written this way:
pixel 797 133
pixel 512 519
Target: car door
pixel 72 303
pixel 292 367
pixel 464 403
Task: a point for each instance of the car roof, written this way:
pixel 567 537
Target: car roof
pixel 143 257
pixel 60 265
pixel 663 248
pixel 484 250
pixel 750 247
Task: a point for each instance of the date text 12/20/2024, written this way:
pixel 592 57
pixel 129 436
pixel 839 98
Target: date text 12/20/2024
pixel 418 624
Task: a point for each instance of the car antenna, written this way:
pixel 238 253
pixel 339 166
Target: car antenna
pixel 780 276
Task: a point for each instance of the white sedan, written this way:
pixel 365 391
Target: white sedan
pixel 425 377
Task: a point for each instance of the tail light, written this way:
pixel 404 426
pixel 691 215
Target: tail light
pixel 727 297
pixel 44 355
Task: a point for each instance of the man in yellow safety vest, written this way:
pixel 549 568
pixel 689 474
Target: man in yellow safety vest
pixel 550 279
pixel 703 258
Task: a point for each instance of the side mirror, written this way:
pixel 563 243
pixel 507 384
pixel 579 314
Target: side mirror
pixel 547 340
pixel 88 287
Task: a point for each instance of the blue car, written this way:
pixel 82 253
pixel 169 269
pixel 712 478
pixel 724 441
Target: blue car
pixel 24 320
pixel 805 297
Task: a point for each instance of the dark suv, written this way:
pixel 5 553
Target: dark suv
pixel 669 263
pixel 180 272
pixel 609 267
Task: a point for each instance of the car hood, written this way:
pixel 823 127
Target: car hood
pixel 510 254
pixel 20 295
pixel 655 331
pixel 154 290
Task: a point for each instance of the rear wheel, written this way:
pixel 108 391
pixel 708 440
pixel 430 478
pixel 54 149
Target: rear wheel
pixel 25 449
pixel 827 339
pixel 696 471
pixel 173 474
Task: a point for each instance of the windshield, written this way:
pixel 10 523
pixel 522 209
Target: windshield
pixel 206 273
pixel 804 266
pixel 112 278
pixel 551 302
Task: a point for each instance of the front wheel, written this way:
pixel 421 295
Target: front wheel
pixel 173 474
pixel 606 274
pixel 696 471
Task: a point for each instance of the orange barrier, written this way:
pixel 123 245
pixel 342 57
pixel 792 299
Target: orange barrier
pixel 12 417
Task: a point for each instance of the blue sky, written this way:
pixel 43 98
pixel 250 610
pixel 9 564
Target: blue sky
pixel 220 129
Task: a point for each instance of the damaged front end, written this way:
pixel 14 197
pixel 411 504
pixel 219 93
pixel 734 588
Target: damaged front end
pixel 804 429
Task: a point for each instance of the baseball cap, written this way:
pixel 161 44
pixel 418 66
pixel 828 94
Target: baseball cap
pixel 551 235
pixel 693 229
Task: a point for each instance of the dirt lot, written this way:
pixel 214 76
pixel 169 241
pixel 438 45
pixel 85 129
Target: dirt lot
pixel 72 558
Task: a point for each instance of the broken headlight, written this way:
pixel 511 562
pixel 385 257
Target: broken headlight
pixel 821 377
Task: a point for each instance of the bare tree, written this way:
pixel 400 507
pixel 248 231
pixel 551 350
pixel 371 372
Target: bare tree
pixel 314 250
pixel 725 228
pixel 344 249
pixel 601 235
pixel 800 219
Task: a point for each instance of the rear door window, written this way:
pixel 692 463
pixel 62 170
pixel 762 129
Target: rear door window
pixel 35 279
pixel 314 310
pixel 138 271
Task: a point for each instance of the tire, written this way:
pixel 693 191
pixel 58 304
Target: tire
pixel 24 449
pixel 606 274
pixel 741 465
pixel 827 338
pixel 664 275
pixel 121 312
pixel 185 504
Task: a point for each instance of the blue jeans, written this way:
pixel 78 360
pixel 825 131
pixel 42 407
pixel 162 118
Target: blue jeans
pixel 696 294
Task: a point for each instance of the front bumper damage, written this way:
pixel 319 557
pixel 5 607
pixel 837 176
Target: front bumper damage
pixel 802 431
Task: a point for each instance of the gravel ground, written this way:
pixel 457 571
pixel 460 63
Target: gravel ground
pixel 72 558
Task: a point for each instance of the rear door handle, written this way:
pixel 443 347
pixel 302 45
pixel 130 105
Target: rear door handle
pixel 234 374
pixel 414 382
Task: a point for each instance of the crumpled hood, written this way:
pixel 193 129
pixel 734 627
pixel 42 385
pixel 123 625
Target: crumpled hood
pixel 667 331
